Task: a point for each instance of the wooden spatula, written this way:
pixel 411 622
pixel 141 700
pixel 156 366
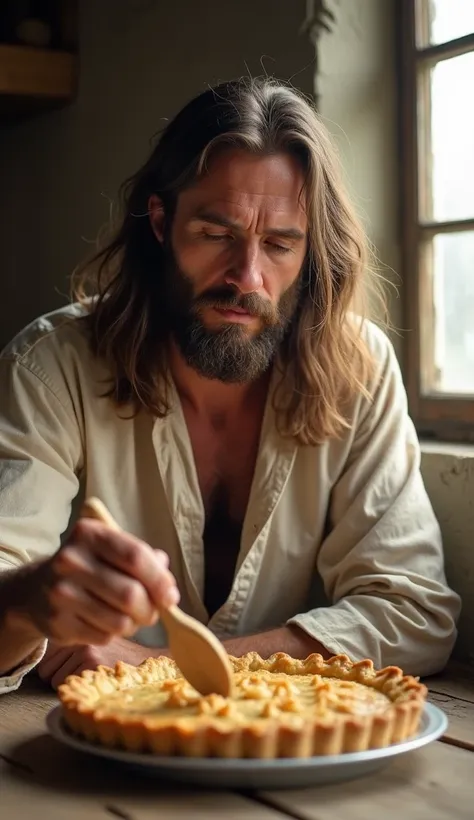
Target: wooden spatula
pixel 200 656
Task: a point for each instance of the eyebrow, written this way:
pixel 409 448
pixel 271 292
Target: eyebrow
pixel 223 222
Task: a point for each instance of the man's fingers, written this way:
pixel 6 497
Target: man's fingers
pixel 68 628
pixel 165 592
pixel 120 592
pixel 52 662
pixel 67 595
pixel 54 649
pixel 123 552
pixel 120 550
pixel 72 666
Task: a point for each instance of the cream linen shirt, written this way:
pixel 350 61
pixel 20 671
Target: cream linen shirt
pixel 340 539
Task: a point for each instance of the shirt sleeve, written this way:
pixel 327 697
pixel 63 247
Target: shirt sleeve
pixel 382 561
pixel 40 459
pixel 12 681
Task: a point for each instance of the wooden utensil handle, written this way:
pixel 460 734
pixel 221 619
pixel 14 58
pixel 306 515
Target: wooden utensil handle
pixel 94 508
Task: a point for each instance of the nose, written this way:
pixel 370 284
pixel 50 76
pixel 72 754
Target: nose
pixel 245 273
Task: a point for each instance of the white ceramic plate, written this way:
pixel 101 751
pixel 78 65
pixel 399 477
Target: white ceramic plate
pixel 284 773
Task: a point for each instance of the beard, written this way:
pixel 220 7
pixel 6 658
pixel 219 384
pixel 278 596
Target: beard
pixel 229 353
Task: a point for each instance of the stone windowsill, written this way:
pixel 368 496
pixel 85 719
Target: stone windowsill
pixel 448 473
pixel 447 448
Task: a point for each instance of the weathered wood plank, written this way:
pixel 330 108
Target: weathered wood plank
pixel 453 691
pixel 22 713
pixel 198 806
pixel 21 798
pixel 38 771
pixel 457 680
pixel 440 774
pixel 434 782
pixel 460 714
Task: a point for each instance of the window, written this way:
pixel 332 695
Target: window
pixel 437 212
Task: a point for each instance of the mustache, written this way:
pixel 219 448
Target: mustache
pixel 228 298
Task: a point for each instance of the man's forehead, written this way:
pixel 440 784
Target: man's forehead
pixel 233 203
pixel 239 183
pixel 233 174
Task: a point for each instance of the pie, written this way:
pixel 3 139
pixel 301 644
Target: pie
pixel 280 707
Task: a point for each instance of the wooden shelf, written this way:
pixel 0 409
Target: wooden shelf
pixel 34 79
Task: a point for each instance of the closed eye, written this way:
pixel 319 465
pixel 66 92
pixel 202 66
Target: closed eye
pixel 216 237
pixel 274 247
pixel 278 248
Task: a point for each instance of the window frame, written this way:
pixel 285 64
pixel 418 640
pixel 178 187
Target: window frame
pixel 448 417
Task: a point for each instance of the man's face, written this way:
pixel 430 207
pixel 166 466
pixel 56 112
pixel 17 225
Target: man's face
pixel 234 259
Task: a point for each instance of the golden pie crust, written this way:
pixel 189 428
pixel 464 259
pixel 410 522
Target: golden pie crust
pixel 280 707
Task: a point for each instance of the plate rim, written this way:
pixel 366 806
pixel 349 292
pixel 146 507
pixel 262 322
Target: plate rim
pixel 437 725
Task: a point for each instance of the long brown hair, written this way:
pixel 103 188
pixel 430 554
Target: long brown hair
pixel 324 357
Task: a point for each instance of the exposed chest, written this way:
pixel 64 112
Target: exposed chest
pixel 225 454
pixel 225 458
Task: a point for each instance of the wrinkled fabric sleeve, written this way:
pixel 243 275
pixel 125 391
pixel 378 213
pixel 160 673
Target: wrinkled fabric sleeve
pixel 382 562
pixel 12 681
pixel 40 459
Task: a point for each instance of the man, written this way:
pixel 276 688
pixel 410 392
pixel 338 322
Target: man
pixel 224 397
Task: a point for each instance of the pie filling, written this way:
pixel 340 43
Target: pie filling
pixel 256 696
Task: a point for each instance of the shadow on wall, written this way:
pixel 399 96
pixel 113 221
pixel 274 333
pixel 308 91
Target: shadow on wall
pixel 140 61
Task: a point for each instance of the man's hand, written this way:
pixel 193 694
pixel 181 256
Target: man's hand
pixel 290 639
pixel 100 585
pixel 61 661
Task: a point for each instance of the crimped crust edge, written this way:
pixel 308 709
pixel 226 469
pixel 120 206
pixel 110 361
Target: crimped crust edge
pixel 317 736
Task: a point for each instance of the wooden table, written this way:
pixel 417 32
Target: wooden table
pixel 39 776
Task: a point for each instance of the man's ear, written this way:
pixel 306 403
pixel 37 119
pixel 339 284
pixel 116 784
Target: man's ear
pixel 157 217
